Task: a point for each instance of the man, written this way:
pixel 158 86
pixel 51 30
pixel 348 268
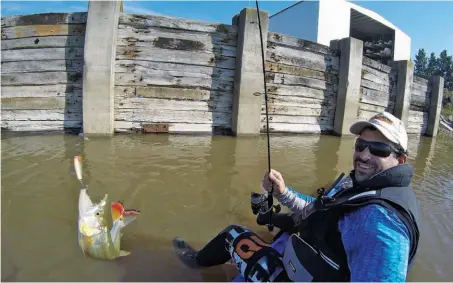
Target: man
pixel 364 229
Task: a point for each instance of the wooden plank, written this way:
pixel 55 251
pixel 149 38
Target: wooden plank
pixel 298 111
pixel 420 100
pixel 44 78
pixel 42 90
pixel 376 86
pixel 174 23
pixel 296 128
pixel 375 97
pixel 128 34
pixel 365 115
pixel 42 54
pixel 377 77
pixel 42 30
pixel 45 19
pixel 41 115
pixel 421 81
pixel 32 126
pixel 299 101
pixel 127 126
pixel 300 91
pixel 171 69
pixel 298 119
pixel 372 108
pixel 183 45
pixel 417 115
pixel 306 59
pixel 170 93
pixel 285 79
pixel 176 56
pixel 421 87
pixel 124 79
pixel 42 103
pixel 419 92
pixel 44 42
pixel 171 116
pixel 388 76
pixel 275 39
pixel 176 105
pixel 300 71
pixel 42 66
pixel 376 65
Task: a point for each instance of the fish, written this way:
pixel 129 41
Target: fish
pixel 100 225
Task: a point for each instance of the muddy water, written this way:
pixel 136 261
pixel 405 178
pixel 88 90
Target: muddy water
pixel 188 186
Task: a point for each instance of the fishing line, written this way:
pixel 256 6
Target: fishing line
pixel 269 197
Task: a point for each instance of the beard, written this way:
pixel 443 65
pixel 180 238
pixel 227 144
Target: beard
pixel 364 170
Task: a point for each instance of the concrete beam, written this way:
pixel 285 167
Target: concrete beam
pixel 248 78
pixel 435 106
pixel 405 78
pixel 99 67
pixel 350 75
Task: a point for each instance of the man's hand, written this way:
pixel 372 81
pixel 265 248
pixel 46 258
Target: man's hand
pixel 276 179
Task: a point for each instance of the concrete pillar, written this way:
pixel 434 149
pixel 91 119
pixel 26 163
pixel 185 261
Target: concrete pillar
pixel 99 67
pixel 405 78
pixel 350 75
pixel 435 106
pixel 248 78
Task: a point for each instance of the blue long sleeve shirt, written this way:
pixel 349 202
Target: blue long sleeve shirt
pixel 375 240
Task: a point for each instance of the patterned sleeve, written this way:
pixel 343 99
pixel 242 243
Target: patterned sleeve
pixel 376 244
pixel 293 200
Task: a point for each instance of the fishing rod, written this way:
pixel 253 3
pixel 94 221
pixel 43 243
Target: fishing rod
pixel 270 199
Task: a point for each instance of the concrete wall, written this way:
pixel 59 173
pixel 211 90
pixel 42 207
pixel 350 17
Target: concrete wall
pixel 182 76
pixel 300 20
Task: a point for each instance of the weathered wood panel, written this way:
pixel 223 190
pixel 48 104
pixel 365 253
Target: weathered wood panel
pixel 171 93
pixel 126 126
pixel 128 35
pixel 274 118
pixel 297 128
pixel 303 58
pixel 42 54
pixel 41 103
pixel 299 101
pixel 175 105
pixel 42 30
pixel 42 90
pixel 171 116
pixel 285 79
pixel 44 78
pixel 417 122
pixel 300 91
pixel 176 56
pixel 32 126
pixel 377 98
pixel 43 42
pixel 275 39
pixel 300 71
pixel 171 69
pixel 299 111
pixel 41 115
pixel 126 79
pixel 45 19
pixel 174 23
pixel 372 108
pixel 42 66
pixel 376 65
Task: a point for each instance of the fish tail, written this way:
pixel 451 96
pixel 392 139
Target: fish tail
pixel 130 215
pixel 117 210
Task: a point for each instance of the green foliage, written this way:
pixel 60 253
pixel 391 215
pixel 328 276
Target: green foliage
pixel 435 66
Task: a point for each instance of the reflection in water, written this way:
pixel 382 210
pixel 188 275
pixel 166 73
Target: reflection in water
pixel 188 186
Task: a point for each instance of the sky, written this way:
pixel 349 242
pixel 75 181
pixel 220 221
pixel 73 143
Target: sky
pixel 428 23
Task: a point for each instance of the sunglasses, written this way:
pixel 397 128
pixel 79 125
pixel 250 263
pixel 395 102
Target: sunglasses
pixel 379 149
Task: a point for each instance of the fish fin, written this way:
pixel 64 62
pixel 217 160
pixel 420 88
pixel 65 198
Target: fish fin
pixel 124 253
pixel 117 210
pixel 130 215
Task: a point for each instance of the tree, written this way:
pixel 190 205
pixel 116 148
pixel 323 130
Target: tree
pixel 421 62
pixel 441 66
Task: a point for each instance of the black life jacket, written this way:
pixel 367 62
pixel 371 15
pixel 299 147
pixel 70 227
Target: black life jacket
pixel 318 245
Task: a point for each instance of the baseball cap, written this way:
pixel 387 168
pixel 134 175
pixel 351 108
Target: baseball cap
pixel 390 126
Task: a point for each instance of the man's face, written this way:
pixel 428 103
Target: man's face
pixel 365 164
